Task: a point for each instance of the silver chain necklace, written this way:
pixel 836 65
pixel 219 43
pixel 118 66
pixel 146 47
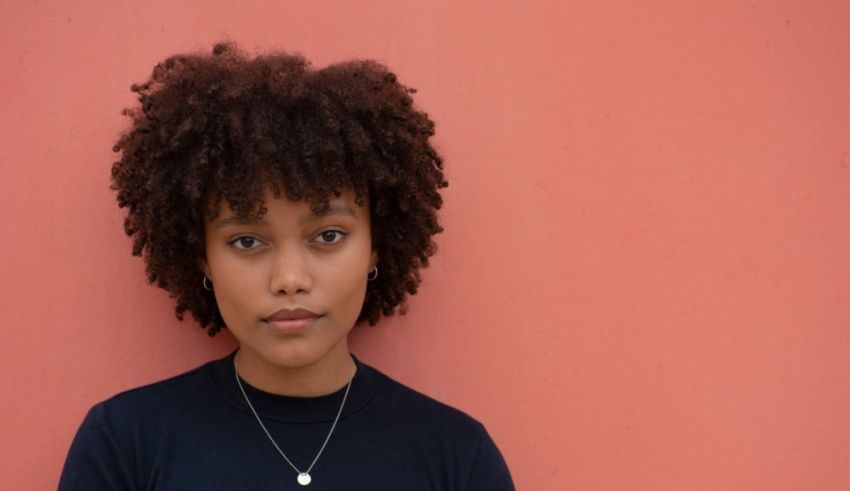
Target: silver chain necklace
pixel 303 477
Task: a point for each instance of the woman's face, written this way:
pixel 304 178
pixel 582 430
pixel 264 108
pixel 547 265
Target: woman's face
pixel 290 285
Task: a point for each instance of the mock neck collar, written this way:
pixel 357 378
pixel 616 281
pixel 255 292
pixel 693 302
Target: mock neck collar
pixel 291 409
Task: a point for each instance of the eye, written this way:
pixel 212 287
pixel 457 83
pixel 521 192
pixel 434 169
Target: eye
pixel 245 243
pixel 330 237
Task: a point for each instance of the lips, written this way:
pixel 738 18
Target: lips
pixel 291 320
pixel 288 314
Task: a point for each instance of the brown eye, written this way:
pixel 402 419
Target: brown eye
pixel 329 237
pixel 245 243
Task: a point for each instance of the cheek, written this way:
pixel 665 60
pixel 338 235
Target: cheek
pixel 349 302
pixel 356 291
pixel 230 302
pixel 345 282
pixel 235 287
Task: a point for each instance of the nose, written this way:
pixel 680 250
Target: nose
pixel 291 272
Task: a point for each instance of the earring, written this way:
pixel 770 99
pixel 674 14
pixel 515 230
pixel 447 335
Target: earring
pixel 207 283
pixel 373 273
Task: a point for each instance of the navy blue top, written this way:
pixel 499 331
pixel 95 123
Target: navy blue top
pixel 194 431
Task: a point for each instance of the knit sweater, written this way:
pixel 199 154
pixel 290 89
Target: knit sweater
pixel 195 432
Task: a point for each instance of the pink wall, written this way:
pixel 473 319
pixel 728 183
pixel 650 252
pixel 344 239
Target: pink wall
pixel 644 281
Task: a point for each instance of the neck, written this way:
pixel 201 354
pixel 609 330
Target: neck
pixel 328 375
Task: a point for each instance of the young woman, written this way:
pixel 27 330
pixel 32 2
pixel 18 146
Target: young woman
pixel 286 205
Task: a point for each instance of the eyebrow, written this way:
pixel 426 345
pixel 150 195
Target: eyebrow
pixel 329 211
pixel 238 221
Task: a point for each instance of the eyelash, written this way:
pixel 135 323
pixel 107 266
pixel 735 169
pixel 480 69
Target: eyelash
pixel 340 234
pixel 238 241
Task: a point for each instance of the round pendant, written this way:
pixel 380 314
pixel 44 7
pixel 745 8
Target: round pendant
pixel 304 479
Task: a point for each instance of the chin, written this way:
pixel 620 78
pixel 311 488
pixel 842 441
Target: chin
pixel 291 357
pixel 295 354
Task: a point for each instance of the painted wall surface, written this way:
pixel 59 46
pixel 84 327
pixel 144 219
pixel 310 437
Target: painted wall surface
pixel 644 281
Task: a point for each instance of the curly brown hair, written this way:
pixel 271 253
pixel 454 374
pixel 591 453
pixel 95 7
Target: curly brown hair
pixel 226 126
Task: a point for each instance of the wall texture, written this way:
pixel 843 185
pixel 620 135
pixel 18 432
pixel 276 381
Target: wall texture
pixel 644 282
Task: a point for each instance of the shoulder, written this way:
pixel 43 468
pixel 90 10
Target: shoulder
pixel 421 418
pixel 403 400
pixel 170 384
pixel 154 403
pixel 442 435
pixel 142 413
pixel 117 434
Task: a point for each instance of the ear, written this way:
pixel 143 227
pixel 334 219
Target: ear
pixel 373 259
pixel 205 267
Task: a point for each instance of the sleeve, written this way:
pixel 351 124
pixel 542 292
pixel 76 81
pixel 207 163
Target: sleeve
pixel 95 461
pixel 489 470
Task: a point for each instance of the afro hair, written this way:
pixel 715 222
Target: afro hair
pixel 227 126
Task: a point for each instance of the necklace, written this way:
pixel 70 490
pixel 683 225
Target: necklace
pixel 303 478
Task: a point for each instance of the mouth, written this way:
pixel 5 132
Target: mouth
pixel 291 320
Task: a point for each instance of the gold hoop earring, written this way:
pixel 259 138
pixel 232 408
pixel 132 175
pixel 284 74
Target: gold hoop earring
pixel 373 273
pixel 207 284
